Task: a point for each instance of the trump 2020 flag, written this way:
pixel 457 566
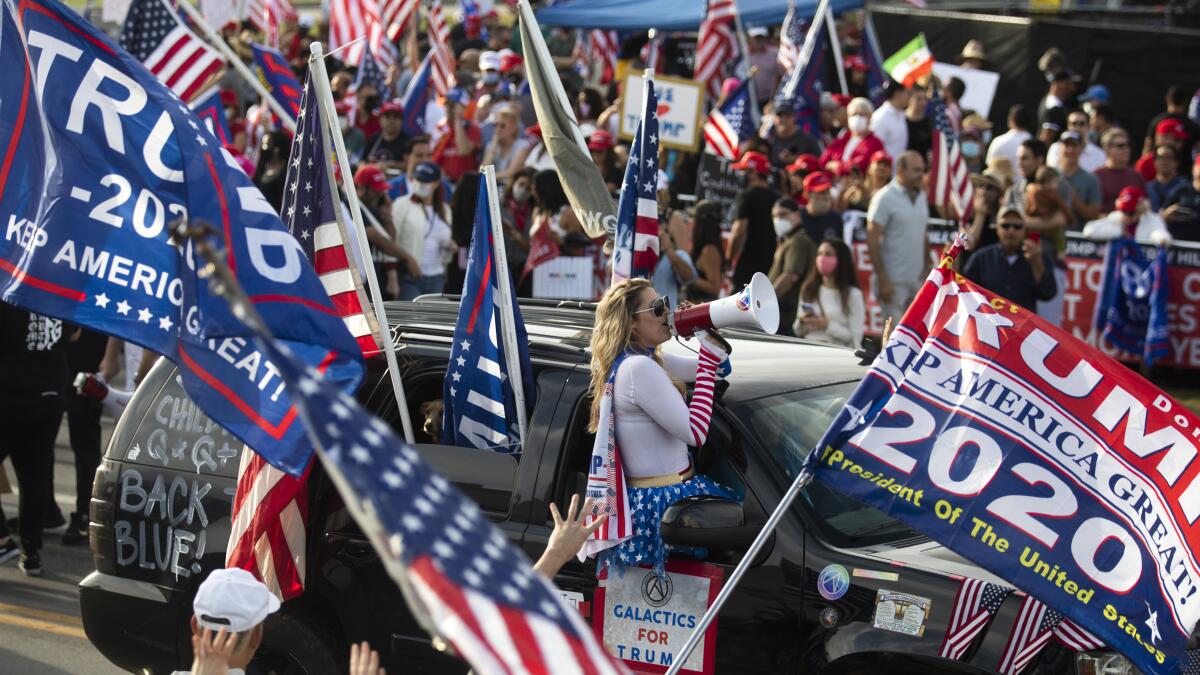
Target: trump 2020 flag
pixel 278 77
pixel 802 87
pixel 416 98
pixel 101 158
pixel 1035 456
pixel 635 248
pixel 1131 312
pixel 209 110
pixel 459 574
pixel 480 408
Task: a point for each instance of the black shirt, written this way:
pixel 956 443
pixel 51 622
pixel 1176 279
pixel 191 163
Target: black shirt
pixel 920 135
pixel 380 149
pixel 33 355
pixel 828 225
pixel 754 205
pixel 991 268
pixel 799 143
pixel 1184 225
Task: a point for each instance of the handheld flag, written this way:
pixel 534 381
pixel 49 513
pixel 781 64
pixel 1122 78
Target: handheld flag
pixel 209 110
pixel 727 125
pixel 278 78
pixel 950 182
pixel 635 248
pixel 911 63
pixel 442 74
pixel 154 35
pixel 974 605
pixel 479 403
pixel 980 423
pixel 1131 310
pixel 791 39
pixel 716 45
pixel 103 156
pixel 876 74
pixel 369 73
pixel 416 98
pixel 802 87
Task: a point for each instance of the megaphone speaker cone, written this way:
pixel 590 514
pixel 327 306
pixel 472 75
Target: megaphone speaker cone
pixel 755 305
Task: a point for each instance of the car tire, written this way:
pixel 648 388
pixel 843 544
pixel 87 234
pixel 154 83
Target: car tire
pixel 297 642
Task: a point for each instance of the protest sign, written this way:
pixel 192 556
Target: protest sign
pixel 1035 457
pixel 981 86
pixel 680 110
pixel 716 180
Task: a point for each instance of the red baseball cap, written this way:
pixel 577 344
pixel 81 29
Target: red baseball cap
pixel 535 130
pixel 509 60
pixel 842 100
pixel 817 181
pixel 1128 200
pixel 753 161
pixel 856 63
pixel 881 156
pixel 391 107
pixel 806 162
pixel 229 98
pixel 371 176
pixel 600 140
pixel 1171 127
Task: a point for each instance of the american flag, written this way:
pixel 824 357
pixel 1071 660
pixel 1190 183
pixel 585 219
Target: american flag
pixel 350 20
pixel 480 405
pixel 270 508
pixel 602 49
pixel 465 581
pixel 949 178
pixel 154 35
pixel 715 46
pixel 442 59
pixel 974 606
pixel 635 251
pixel 803 86
pixel 396 14
pixel 370 73
pixel 727 125
pixel 791 38
pixel 266 15
pixel 1035 625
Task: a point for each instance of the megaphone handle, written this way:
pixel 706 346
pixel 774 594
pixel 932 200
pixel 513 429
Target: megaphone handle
pixel 721 342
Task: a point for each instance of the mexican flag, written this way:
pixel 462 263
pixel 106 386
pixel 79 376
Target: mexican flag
pixel 911 63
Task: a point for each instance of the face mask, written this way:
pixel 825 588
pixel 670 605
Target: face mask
pixel 970 148
pixel 826 264
pixel 782 227
pixel 857 124
pixel 423 190
pixel 585 110
pixel 371 103
pixel 520 193
pixel 491 78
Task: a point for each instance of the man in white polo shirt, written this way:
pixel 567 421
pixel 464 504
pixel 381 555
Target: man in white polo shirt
pixel 896 222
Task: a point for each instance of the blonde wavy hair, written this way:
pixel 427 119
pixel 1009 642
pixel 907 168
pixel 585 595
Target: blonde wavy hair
pixel 612 335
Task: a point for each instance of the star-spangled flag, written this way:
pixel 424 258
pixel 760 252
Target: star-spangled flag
pixel 716 45
pixel 154 35
pixel 635 247
pixel 791 38
pixel 727 125
pixel 209 110
pixel 1031 632
pixel 103 158
pixel 278 77
pixel 950 182
pixel 442 74
pixel 370 73
pixel 462 578
pixel 973 608
pixel 480 408
pixel 802 87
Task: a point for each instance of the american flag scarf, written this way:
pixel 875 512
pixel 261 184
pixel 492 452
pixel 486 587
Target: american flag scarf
pixel 606 477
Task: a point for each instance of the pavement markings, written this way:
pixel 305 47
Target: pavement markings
pixel 42 620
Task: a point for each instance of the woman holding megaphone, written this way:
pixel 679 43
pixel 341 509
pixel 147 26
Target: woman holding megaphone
pixel 642 419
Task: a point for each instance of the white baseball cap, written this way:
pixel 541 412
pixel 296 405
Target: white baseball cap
pixel 234 600
pixel 758 31
pixel 489 61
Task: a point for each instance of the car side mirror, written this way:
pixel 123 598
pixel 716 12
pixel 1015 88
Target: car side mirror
pixel 708 522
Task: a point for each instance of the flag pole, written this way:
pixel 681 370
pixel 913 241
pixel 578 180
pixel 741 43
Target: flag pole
pixel 508 330
pixel 744 45
pixel 235 61
pixel 325 98
pixel 836 44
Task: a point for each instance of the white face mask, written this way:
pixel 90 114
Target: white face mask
pixel 782 227
pixel 520 193
pixel 423 190
pixel 857 124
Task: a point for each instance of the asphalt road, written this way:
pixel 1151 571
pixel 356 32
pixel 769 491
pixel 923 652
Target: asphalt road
pixel 40 631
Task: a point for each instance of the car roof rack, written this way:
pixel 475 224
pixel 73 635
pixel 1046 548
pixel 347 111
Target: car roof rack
pixel 548 303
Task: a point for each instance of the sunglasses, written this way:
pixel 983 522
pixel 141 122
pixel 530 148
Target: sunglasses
pixel 1011 226
pixel 658 307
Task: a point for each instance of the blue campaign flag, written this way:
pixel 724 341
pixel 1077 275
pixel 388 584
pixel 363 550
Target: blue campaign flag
pixel 209 110
pixel 802 87
pixel 480 408
pixel 876 75
pixel 416 97
pixel 278 77
pixel 1131 310
pixel 101 159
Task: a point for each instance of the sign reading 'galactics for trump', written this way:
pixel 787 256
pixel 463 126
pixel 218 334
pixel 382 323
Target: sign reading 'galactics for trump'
pixel 1035 456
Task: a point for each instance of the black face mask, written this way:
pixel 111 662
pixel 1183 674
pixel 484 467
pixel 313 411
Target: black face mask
pixel 372 102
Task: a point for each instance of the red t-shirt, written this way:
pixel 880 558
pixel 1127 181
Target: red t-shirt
pixel 446 153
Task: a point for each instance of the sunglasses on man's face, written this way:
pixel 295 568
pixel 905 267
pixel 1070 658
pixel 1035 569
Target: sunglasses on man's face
pixel 658 307
pixel 1012 226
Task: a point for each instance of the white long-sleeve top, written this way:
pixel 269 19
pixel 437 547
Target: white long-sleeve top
pixel 1150 227
pixel 890 126
pixel 845 327
pixel 654 425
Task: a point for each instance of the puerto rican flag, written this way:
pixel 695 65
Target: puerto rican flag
pixel 636 249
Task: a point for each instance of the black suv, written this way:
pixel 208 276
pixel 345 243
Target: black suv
pixel 162 496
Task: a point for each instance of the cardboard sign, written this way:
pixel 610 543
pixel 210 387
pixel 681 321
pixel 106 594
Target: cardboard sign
pixel 716 181
pixel 565 278
pixel 644 620
pixel 680 109
pixel 981 86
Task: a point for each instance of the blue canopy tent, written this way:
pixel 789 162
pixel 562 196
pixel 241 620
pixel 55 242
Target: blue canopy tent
pixel 666 15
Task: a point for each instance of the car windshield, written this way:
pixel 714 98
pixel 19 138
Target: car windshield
pixel 788 426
